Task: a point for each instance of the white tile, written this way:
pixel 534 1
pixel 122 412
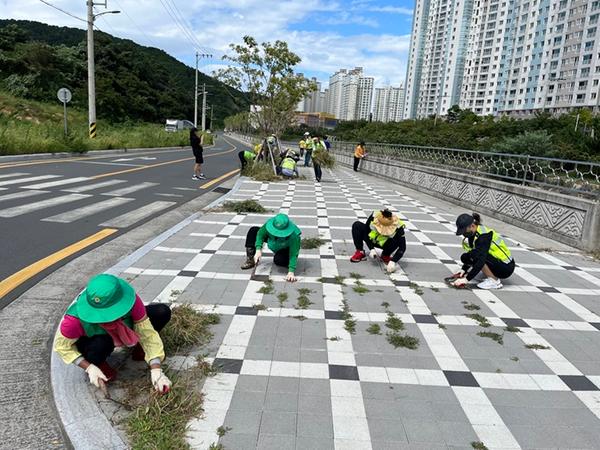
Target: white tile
pixel 314 370
pixel 549 382
pixel 285 369
pixel 373 374
pixel 341 358
pixel 345 388
pixel 347 407
pixel 254 367
pixel 431 377
pixel 496 436
pixel 402 376
pixel 231 351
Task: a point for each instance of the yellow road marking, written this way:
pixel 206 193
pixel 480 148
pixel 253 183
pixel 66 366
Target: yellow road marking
pixel 216 180
pixel 18 278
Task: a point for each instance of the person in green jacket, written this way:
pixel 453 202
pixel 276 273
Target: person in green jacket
pixel 283 239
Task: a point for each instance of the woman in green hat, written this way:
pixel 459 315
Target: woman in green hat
pixel 109 314
pixel 283 239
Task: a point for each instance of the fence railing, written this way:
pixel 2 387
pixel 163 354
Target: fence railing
pixel 573 177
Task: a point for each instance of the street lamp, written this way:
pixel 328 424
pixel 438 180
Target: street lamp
pixel 91 17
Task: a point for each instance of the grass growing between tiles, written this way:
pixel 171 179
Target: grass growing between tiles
pixel 244 206
pixel 311 243
pixel 187 328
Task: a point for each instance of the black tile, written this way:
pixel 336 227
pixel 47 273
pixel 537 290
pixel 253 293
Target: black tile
pixel 596 325
pixel 322 227
pixel 187 273
pixel 430 244
pixel 334 315
pixel 578 383
pixel 209 252
pixel 221 190
pixel 263 278
pixel 447 261
pixel 515 322
pixel 424 318
pixel 457 378
pixel 343 372
pixel 401 283
pixel 327 256
pixel 571 268
pixel 246 311
pixel 548 289
pixel 227 365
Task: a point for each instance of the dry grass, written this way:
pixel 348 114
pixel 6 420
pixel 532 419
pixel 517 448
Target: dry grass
pixel 251 206
pixel 311 243
pixel 187 328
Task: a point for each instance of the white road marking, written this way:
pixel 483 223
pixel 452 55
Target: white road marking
pixel 91 187
pixel 88 210
pixel 30 207
pixel 128 190
pixel 22 194
pixel 143 158
pixel 27 180
pixel 50 184
pixel 132 217
pixel 16 174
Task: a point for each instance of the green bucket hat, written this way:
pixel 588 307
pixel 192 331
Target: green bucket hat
pixel 281 226
pixel 106 298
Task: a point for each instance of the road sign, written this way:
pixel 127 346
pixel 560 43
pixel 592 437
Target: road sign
pixel 64 95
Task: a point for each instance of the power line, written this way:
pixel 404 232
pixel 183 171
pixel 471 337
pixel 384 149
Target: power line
pixel 179 25
pixel 135 24
pixel 62 11
pixel 188 26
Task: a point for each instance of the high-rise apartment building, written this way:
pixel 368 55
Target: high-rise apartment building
pixel 365 98
pixel 389 104
pixel 334 101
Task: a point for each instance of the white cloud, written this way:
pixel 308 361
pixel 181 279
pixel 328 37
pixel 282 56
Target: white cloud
pixel 217 24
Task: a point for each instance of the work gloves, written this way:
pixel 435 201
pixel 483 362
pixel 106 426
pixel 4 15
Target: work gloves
pixel 460 282
pixel 160 381
pixel 373 253
pixel 95 375
pixel 390 267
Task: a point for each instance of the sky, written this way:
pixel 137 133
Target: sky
pixel 327 35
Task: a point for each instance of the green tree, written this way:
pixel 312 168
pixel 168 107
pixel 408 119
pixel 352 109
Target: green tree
pixel 266 73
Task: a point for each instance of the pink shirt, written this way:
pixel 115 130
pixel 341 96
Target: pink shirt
pixel 71 327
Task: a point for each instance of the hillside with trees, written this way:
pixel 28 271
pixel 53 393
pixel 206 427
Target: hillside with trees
pixel 133 82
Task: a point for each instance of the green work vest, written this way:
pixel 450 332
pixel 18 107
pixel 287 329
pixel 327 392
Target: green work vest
pixel 248 155
pixel 93 329
pixel 380 239
pixel 498 248
pixel 288 163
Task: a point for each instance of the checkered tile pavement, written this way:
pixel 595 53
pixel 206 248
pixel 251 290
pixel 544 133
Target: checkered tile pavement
pixel 295 378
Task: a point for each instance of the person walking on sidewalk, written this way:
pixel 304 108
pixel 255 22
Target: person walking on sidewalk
pixel 109 314
pixel 359 154
pixel 196 143
pixel 318 146
pixel 283 239
pixel 485 251
pixel 308 149
pixel 382 230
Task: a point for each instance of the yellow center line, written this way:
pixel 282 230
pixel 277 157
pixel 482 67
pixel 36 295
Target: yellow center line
pixel 216 180
pixel 18 278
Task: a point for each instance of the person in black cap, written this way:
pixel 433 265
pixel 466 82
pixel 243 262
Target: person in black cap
pixel 485 250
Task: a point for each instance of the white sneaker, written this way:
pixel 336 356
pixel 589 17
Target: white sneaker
pixel 202 177
pixel 490 283
pixel 195 177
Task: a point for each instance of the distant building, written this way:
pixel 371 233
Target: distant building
pixel 315 120
pixel 389 104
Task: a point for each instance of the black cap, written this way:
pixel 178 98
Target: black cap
pixel 462 222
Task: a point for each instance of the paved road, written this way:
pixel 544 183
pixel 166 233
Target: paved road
pixel 54 210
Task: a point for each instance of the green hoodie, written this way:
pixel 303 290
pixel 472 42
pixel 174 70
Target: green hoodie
pixel 275 244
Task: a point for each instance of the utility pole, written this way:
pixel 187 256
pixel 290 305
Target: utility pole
pixel 204 106
pixel 211 118
pixel 198 57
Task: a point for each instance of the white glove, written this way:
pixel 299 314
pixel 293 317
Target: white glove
pixel 291 277
pixel 257 256
pixel 460 282
pixel 95 375
pixel 391 267
pixel 160 381
pixel 373 253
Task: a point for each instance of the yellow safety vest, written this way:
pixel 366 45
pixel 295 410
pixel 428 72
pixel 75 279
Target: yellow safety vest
pixel 302 144
pixel 498 248
pixel 288 163
pixel 380 239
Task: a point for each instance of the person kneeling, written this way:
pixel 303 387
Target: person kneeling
pixel 288 165
pixel 383 230
pixel 109 314
pixel 283 239
pixel 486 251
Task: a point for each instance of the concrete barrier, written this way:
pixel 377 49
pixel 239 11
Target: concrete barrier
pixel 572 220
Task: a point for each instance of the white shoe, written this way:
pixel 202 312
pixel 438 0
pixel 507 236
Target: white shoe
pixel 195 177
pixel 490 283
pixel 202 177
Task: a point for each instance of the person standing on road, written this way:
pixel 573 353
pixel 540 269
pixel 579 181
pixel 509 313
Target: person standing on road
pixel 302 143
pixel 359 153
pixel 196 143
pixel 382 230
pixel 485 250
pixel 108 314
pixel 283 239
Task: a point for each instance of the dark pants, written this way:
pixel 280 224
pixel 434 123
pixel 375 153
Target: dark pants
pixel 242 159
pixel 318 171
pixel 356 163
pixel 280 258
pixel 99 347
pixel 307 156
pixel 498 268
pixel 395 245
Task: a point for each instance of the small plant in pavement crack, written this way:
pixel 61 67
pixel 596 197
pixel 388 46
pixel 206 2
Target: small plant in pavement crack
pixel 374 328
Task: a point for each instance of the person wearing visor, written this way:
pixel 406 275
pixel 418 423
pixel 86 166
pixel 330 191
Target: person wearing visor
pixel 283 239
pixel 485 251
pixel 108 314
pixel 382 230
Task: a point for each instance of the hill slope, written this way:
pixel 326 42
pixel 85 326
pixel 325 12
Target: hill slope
pixel 132 82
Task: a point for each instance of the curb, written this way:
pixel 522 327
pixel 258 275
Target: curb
pixel 84 423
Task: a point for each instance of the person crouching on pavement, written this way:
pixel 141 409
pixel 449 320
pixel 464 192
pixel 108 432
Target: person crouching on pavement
pixel 109 314
pixel 382 230
pixel 246 157
pixel 283 239
pixel 485 250
pixel 288 167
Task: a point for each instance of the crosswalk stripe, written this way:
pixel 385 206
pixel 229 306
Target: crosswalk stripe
pixel 30 207
pixel 91 187
pixel 130 189
pixel 136 215
pixel 27 180
pixel 88 210
pixel 50 184
pixel 22 194
pixel 9 175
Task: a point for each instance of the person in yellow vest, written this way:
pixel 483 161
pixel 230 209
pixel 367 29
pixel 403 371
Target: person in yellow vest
pixel 288 165
pixel 382 230
pixel 302 144
pixel 247 156
pixel 485 251
pixel 308 149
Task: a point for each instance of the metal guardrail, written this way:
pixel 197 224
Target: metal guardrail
pixel 573 177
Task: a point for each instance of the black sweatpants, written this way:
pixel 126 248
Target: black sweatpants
pixel 99 347
pixel 242 159
pixel 280 258
pixel 318 171
pixel 356 163
pixel 395 245
pixel 500 269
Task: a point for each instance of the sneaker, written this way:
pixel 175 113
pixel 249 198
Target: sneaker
pixel 490 283
pixel 202 177
pixel 386 259
pixel 195 177
pixel 358 256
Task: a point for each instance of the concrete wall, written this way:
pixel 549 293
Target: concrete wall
pixel 568 219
